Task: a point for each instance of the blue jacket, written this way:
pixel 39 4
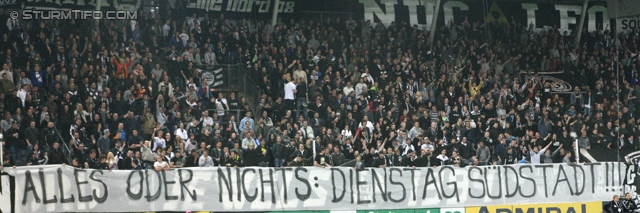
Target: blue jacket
pixel 37 77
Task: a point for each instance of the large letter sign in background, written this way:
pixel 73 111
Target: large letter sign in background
pixel 564 15
pixel 63 188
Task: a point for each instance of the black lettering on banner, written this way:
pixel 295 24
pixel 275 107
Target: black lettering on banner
pixel 486 173
pixel 183 185
pixel 166 187
pixel 534 188
pixel 606 175
pixel 508 169
pixel 485 210
pixel 302 197
pixel 78 183
pixel 351 185
pixel 428 182
pixel 12 189
pixel 620 180
pixel 155 196
pixel 413 182
pixel 333 183
pixel 253 197
pixel 578 191
pixel 106 188
pixel 132 196
pixel 239 184
pixel 593 178
pixel 29 187
pixel 625 25
pixel 453 182
pixel 472 179
pixel 556 209
pixel 544 177
pixel 375 179
pixel 270 182
pixel 284 180
pixel 404 195
pixel 61 187
pixel 227 182
pixel 358 184
pixel 44 189
pixel 564 179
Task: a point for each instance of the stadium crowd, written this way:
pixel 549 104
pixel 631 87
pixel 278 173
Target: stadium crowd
pixel 131 95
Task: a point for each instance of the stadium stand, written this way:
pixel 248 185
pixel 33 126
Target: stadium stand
pixel 330 92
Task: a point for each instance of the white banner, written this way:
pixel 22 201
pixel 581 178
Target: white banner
pixel 623 8
pixel 65 189
pixel 628 24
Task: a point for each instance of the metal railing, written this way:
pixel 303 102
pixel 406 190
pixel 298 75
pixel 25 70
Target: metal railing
pixel 238 79
pixel 252 92
pixel 235 112
pixel 65 148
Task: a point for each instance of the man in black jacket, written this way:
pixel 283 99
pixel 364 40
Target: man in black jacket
pixel 251 156
pixel 124 163
pixel 17 145
pixel 235 160
pixel 192 159
pixel 407 161
pixel 134 142
pixel 278 152
pixel 627 204
pixel 613 206
pixel 31 134
pixel 338 157
pixel 92 161
pixel 56 155
pixel 289 152
pixel 48 136
pixel 380 161
pixel 395 158
pixel 465 150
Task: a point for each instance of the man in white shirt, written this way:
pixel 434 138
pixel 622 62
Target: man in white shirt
pixel 535 153
pixel 361 87
pixel 289 94
pixel 184 37
pixel 205 160
pixel 221 105
pixel 160 165
pixel 248 140
pixel 307 131
pixel 166 29
pixel 207 122
pixel 367 123
pixel 22 93
pixel 181 132
pixel 347 89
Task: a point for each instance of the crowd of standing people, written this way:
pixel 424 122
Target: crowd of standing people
pixel 131 95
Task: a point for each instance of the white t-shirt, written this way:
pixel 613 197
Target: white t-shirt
pixel 184 37
pixel 182 133
pixel 159 143
pixel 289 91
pixel 220 106
pixel 160 164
